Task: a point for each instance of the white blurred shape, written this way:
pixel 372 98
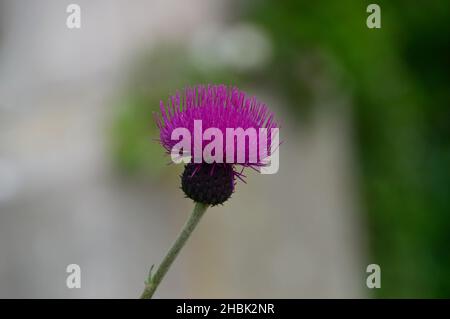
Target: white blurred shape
pixel 243 47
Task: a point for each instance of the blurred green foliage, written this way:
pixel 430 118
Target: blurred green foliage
pixel 399 76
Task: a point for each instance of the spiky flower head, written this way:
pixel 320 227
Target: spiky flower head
pixel 217 107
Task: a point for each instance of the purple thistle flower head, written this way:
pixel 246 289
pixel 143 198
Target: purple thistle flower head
pixel 238 118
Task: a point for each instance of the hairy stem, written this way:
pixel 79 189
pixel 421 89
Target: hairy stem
pixel 154 280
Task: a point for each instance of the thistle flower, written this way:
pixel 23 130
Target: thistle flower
pixel 209 177
pixel 222 108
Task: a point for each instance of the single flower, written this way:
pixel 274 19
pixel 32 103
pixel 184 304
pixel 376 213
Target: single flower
pixel 225 109
pixel 209 177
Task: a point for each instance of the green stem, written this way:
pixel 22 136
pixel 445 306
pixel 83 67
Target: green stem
pixel 153 281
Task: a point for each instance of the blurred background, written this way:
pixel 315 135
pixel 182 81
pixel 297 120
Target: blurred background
pixel 364 169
